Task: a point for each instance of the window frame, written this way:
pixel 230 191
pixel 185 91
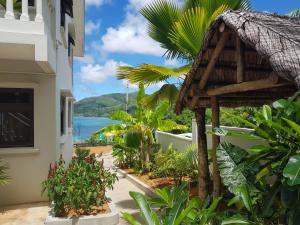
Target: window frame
pixel 20 107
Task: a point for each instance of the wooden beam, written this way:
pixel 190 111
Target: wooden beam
pixel 213 60
pixel 215 108
pixel 203 165
pixel 239 60
pixel 270 82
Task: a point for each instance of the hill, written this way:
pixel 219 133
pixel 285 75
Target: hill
pixel 103 105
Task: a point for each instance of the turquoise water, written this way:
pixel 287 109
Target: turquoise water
pixel 85 126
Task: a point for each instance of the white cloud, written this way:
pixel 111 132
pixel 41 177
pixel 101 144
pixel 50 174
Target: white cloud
pixel 87 59
pixel 99 73
pixel 171 62
pixel 95 2
pixel 91 26
pixel 131 36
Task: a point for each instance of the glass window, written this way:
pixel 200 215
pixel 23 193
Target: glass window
pixel 16 117
pixel 70 113
pixel 62 115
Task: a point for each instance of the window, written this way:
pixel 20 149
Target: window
pixel 70 113
pixel 62 115
pixel 16 117
pixel 66 7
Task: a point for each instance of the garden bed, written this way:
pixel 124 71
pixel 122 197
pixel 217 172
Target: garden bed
pixel 152 183
pixel 108 216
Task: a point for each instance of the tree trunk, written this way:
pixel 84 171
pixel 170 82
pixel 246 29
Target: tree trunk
pixel 203 169
pixel 215 143
pixel 142 156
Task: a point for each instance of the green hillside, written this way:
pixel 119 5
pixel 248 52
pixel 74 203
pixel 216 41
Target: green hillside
pixel 104 104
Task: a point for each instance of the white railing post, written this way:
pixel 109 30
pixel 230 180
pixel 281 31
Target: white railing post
pixel 9 14
pixel 24 15
pixel 39 11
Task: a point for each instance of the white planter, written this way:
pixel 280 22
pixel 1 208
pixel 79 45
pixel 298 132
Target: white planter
pixel 111 218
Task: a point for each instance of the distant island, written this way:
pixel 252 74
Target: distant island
pixel 102 106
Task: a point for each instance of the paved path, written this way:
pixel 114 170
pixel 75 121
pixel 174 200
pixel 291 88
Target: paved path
pixel 120 194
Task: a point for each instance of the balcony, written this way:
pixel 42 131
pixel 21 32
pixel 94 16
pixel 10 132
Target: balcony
pixel 28 37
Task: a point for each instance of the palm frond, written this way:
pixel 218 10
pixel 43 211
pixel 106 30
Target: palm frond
pixel 111 128
pixel 122 116
pixel 295 13
pixel 168 92
pixel 161 15
pixel 150 74
pixel 169 125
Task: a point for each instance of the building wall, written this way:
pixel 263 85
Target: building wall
pixel 28 167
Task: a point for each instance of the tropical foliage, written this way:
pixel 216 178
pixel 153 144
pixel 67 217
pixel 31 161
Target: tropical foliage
pixel 270 171
pixel 180 31
pixel 138 132
pixel 174 207
pixel 17 4
pixel 176 164
pixel 79 189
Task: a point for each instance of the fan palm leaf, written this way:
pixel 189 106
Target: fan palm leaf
pixel 295 13
pixel 150 74
pixel 161 15
pixel 168 92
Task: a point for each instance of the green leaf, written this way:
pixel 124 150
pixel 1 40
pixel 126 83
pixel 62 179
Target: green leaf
pixel 147 213
pixel 222 132
pixel 236 220
pixel 267 112
pixel 122 116
pixel 130 219
pixel 244 192
pixel 293 125
pixel 292 171
pixel 229 157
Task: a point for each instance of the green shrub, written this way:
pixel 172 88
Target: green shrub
pixel 80 187
pixel 174 164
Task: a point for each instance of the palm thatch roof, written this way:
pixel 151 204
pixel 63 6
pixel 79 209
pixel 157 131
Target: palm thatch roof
pixel 247 58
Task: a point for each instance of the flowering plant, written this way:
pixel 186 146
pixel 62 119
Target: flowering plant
pixel 79 189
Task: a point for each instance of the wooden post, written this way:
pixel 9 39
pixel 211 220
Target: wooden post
pixel 214 58
pixel 203 169
pixel 215 143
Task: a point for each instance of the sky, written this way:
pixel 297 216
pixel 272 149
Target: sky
pixel 116 34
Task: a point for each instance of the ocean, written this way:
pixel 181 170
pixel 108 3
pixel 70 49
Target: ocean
pixel 85 126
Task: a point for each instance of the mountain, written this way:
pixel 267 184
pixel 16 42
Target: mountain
pixel 103 105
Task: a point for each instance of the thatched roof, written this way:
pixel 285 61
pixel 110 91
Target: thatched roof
pixel 271 45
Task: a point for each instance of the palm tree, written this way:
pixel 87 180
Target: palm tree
pixel 180 31
pixel 295 13
pixel 143 125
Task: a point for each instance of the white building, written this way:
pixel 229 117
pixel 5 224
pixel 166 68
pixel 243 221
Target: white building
pixel 38 39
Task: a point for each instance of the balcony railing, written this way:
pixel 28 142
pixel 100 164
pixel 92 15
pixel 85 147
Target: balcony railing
pixel 20 10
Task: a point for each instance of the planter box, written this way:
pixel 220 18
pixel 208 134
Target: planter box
pixel 111 218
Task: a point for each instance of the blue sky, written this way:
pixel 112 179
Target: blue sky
pixel 116 34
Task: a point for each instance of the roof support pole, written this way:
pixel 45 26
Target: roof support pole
pixel 213 60
pixel 203 165
pixel 215 143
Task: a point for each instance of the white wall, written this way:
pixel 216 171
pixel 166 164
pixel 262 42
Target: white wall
pixel 28 167
pixel 178 142
pixel 181 143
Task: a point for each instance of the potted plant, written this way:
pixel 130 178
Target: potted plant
pixel 78 191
